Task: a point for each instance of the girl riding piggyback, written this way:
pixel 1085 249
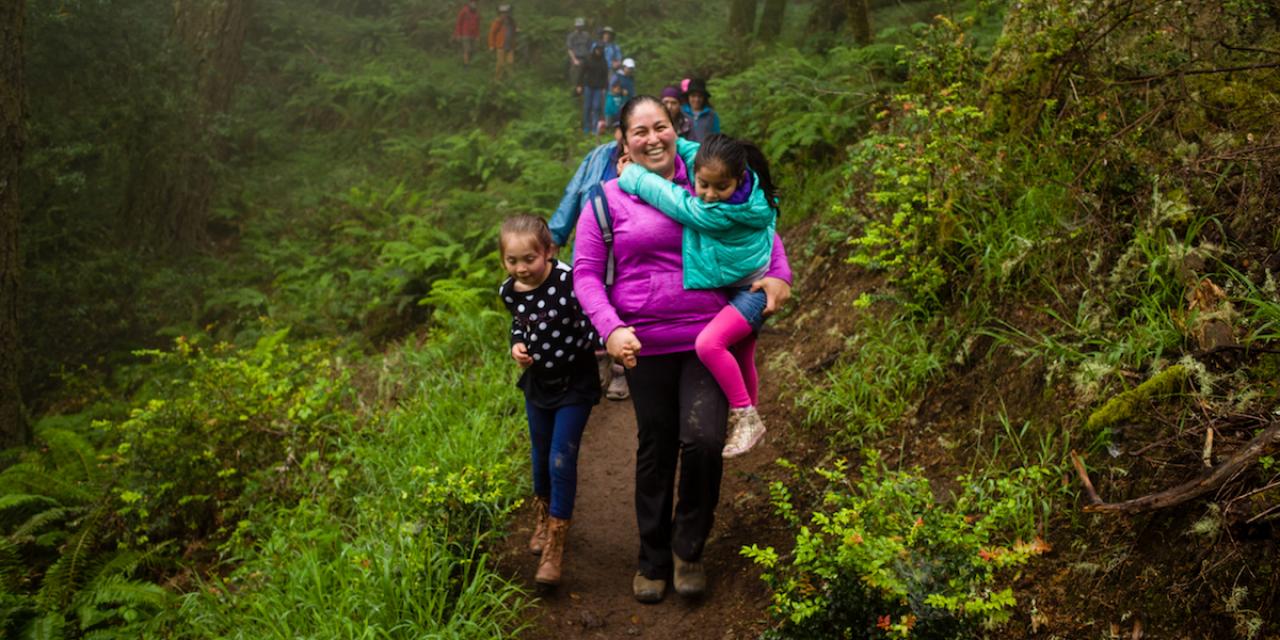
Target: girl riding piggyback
pixel 727 242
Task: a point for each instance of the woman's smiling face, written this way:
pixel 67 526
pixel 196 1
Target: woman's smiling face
pixel 650 138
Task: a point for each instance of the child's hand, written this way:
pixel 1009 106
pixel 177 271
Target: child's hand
pixel 624 159
pixel 624 346
pixel 521 355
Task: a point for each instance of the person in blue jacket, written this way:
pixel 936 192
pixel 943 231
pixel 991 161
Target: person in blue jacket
pixel 600 165
pixel 703 119
pixel 612 52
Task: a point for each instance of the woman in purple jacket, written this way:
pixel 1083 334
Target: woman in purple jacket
pixel 650 323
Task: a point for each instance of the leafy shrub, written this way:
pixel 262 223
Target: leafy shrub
pixel 881 557
pixel 222 429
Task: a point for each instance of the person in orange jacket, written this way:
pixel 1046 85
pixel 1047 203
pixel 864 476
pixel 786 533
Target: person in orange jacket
pixel 467 30
pixel 502 41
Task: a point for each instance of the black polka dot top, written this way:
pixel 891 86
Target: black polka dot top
pixel 549 322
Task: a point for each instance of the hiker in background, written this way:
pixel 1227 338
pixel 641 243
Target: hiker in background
pixel 612 54
pixel 625 76
pixel 553 342
pixel 467 29
pixel 671 100
pixel 703 119
pixel 595 81
pixel 651 323
pixel 578 44
pixel 613 104
pixel 502 41
pixel 728 237
pixel 600 165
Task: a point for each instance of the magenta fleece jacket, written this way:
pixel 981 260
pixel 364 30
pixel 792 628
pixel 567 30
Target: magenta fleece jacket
pixel 648 292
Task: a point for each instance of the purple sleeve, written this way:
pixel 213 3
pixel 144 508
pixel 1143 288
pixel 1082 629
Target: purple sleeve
pixel 778 265
pixel 589 256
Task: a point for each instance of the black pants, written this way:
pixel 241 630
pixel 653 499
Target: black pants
pixel 681 415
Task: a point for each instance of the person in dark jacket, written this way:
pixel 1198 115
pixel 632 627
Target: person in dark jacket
pixel 595 79
pixel 703 119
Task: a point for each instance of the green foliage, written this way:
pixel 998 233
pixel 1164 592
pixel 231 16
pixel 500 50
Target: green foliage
pixel 889 364
pixel 59 574
pixel 223 428
pixel 881 557
pixel 396 546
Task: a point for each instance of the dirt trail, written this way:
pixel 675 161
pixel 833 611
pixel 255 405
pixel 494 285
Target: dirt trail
pixel 595 599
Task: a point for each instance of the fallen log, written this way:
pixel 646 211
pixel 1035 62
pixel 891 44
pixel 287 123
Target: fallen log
pixel 1215 478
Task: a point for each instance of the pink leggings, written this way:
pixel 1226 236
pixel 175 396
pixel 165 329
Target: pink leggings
pixel 727 346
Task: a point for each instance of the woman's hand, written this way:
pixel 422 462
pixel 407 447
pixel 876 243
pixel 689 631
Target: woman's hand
pixel 521 355
pixel 624 159
pixel 776 292
pixel 623 346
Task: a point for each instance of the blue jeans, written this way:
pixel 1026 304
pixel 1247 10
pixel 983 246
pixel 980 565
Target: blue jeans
pixel 750 305
pixel 555 435
pixel 592 108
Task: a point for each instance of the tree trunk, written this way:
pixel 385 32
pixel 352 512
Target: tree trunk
pixel 13 424
pixel 213 32
pixel 742 17
pixel 771 21
pixel 826 16
pixel 860 21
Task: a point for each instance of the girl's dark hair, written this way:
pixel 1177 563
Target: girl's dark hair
pixel 624 114
pixel 526 225
pixel 737 156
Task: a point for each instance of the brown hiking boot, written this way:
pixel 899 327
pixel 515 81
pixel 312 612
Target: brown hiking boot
pixel 553 552
pixel 540 515
pixel 690 578
pixel 648 590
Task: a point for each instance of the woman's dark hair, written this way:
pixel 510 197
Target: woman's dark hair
pixel 624 114
pixel 526 225
pixel 737 156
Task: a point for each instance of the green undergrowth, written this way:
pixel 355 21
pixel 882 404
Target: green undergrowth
pixel 1050 237
pixel 290 505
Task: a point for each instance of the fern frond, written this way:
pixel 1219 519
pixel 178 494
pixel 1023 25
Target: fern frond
pixel 72 455
pixel 118 593
pixel 11 568
pixel 40 522
pixel 50 626
pixel 28 477
pixel 17 507
pixel 68 572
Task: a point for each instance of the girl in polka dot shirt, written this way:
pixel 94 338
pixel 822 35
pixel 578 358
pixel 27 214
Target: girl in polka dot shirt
pixel 552 340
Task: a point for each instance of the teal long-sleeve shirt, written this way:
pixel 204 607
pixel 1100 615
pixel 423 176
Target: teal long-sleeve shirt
pixel 723 243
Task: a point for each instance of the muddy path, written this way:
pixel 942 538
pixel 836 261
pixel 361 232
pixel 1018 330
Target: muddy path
pixel 595 599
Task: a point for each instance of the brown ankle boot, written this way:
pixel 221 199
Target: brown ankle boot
pixel 539 538
pixel 553 552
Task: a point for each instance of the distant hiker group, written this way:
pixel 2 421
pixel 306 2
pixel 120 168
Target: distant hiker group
pixel 502 37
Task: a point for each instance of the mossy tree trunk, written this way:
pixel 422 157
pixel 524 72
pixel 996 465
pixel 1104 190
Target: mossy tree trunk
pixel 771 21
pixel 13 425
pixel 859 15
pixel 742 17
pixel 213 31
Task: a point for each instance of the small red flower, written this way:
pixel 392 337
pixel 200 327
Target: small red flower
pixel 884 622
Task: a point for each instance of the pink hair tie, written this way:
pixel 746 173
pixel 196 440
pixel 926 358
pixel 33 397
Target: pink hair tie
pixel 684 85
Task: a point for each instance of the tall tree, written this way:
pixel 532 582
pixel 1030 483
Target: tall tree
pixel 860 21
pixel 742 17
pixel 771 21
pixel 213 31
pixel 13 426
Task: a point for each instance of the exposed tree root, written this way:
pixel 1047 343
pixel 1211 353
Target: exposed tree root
pixel 1188 490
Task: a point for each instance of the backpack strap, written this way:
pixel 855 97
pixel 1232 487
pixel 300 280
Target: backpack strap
pixel 604 219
